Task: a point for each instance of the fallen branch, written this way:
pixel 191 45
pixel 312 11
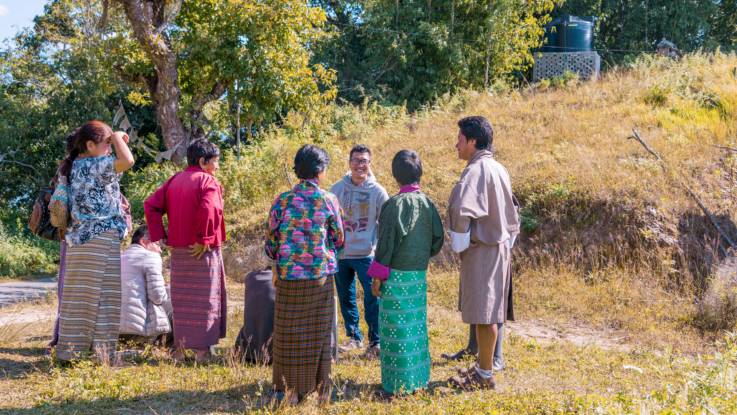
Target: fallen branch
pixel 681 183
pixel 732 149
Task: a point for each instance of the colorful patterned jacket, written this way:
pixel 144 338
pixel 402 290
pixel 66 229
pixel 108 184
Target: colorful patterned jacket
pixel 305 233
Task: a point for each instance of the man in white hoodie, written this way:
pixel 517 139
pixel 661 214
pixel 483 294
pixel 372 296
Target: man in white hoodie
pixel 361 198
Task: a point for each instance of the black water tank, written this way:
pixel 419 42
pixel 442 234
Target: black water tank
pixel 551 42
pixel 570 34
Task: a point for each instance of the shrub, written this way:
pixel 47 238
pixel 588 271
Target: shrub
pixel 566 80
pixel 138 185
pixel 22 254
pixel 656 96
pixel 718 306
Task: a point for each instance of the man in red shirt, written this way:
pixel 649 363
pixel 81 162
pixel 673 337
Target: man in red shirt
pixel 193 202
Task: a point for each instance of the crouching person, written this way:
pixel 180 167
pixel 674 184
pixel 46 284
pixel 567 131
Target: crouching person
pixel 145 302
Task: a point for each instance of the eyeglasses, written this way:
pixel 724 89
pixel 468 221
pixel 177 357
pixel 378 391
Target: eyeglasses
pixel 361 162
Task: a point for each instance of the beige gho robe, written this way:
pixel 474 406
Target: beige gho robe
pixel 481 209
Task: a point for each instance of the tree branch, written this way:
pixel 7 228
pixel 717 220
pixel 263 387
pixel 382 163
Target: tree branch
pixel 682 184
pixel 19 163
pixel 103 20
pixel 147 19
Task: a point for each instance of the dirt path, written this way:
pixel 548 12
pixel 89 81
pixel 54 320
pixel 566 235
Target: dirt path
pixel 580 336
pixel 14 312
pixel 20 291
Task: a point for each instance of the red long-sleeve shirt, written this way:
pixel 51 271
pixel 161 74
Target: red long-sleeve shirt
pixel 193 201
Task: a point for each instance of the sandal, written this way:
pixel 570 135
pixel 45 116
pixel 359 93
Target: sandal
pixel 473 381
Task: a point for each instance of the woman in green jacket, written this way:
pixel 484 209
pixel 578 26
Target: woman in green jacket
pixel 410 232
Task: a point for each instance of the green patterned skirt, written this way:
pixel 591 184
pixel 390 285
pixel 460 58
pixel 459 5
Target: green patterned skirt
pixel 405 353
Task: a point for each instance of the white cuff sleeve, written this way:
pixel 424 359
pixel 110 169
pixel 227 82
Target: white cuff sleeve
pixel 459 242
pixel 511 240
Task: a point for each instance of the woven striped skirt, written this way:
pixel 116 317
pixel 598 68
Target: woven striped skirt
pixel 303 322
pixel 405 353
pixel 198 299
pixel 59 287
pixel 90 305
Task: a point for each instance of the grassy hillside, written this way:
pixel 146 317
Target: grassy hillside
pixel 609 270
pixel 600 217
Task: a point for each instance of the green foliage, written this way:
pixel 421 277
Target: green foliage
pixel 52 82
pixel 415 51
pixel 625 28
pixel 724 25
pixel 251 56
pixel 139 184
pixel 528 221
pixel 68 69
pixel 21 254
pixel 568 79
pixel 259 51
pixel 656 96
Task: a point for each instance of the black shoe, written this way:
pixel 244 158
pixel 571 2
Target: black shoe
pixel 463 353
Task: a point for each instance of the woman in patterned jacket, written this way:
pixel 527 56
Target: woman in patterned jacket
pixel 90 306
pixel 304 237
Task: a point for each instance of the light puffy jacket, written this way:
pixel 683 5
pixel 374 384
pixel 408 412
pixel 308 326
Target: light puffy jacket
pixel 144 297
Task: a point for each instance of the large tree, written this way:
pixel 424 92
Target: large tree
pixel 415 50
pixel 150 21
pixel 181 70
pixel 255 53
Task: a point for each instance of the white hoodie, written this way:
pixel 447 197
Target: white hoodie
pixel 361 206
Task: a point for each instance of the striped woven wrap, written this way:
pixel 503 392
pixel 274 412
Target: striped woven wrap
pixel 90 306
pixel 405 353
pixel 303 322
pixel 198 298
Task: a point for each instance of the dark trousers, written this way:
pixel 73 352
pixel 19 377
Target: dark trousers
pixel 345 282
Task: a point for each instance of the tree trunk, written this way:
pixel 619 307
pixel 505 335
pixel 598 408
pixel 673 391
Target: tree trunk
pixel 238 128
pixel 249 130
pixel 452 17
pixel 488 50
pixel 148 21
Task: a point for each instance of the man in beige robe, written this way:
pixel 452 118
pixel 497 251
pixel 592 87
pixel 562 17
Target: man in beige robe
pixel 483 224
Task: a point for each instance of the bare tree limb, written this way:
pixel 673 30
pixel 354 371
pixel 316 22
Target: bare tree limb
pixel 636 136
pixel 197 115
pixel 732 149
pixel 682 184
pixel 4 159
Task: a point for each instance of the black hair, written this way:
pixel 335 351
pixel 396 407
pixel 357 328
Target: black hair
pixel 310 161
pixel 140 233
pixel 76 142
pixel 201 148
pixel 359 148
pixel 407 167
pixel 479 129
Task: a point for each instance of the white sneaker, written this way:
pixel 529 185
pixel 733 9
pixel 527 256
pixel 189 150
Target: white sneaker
pixel 351 344
pixel 498 365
